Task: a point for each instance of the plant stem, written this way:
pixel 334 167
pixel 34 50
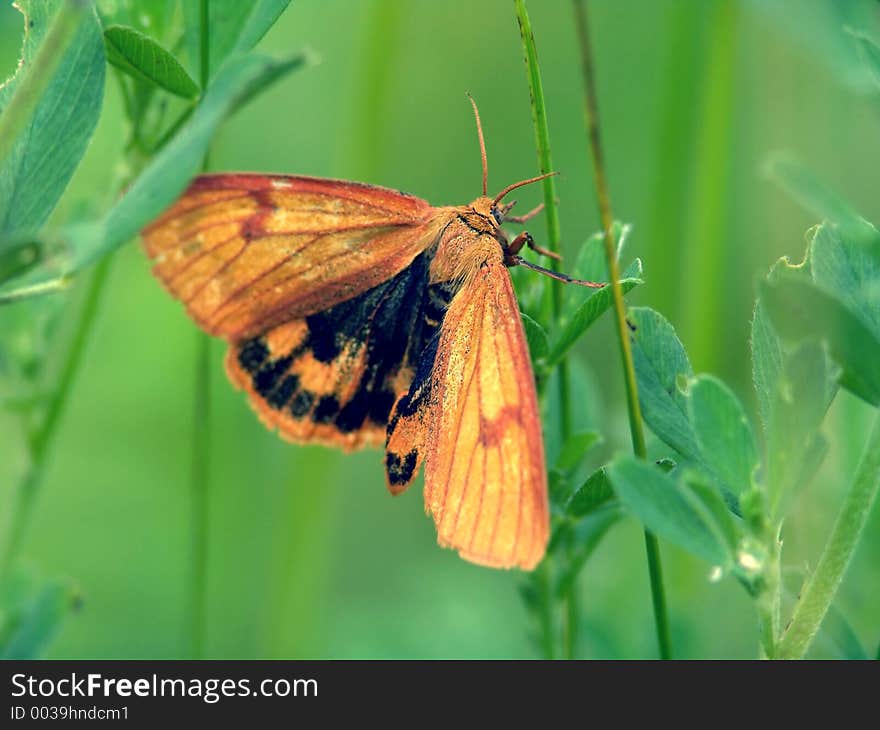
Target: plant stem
pixel 37 75
pixel 552 304
pixel 201 451
pixel 822 586
pixel 571 618
pixel 204 45
pixel 201 425
pixel 553 296
pixel 545 590
pixel 769 603
pixel 40 440
pixel 637 433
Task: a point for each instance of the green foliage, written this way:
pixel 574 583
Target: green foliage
pixel 815 325
pixel 685 513
pixel 848 267
pixel 662 369
pixel 32 610
pixel 142 57
pixel 814 195
pixel 575 449
pixel 167 175
pixel 723 431
pixel 594 493
pixel 537 339
pixel 801 310
pixel 169 172
pixel 49 111
pixel 41 153
pixel 580 307
pixel 594 304
pixel 236 27
pixel 870 53
pixel 582 538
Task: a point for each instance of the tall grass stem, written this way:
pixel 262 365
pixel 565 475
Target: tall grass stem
pixel 591 106
pixel 821 587
pixel 201 425
pixel 552 302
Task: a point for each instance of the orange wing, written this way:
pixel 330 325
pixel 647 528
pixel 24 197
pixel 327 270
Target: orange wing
pixel 476 422
pixel 247 253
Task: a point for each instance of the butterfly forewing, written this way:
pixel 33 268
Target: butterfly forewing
pixel 247 253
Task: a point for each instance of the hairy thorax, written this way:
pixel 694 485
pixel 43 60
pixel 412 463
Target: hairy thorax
pixel 471 238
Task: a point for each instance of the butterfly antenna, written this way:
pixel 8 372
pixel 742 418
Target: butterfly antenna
pixel 482 144
pixel 519 184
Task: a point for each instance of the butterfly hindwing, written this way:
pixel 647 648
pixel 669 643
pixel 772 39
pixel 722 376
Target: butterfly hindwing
pixel 333 377
pixel 247 253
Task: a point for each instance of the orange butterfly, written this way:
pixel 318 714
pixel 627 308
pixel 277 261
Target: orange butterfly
pixel 358 315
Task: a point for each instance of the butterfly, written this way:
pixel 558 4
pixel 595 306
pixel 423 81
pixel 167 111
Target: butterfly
pixel 358 315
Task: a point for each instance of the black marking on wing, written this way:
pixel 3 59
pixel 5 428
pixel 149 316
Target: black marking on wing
pixel 400 469
pixel 387 328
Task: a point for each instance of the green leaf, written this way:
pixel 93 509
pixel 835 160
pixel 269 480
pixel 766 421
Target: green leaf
pixel 713 508
pixel 814 196
pixel 529 288
pixel 48 112
pixel 585 417
pixel 536 336
pixel 235 27
pixel 585 538
pixel 661 363
pixel 767 351
pixel 838 633
pixel 766 361
pixel 675 511
pixel 167 176
pixel 802 396
pixel 594 493
pixel 801 310
pixel 869 51
pixel 596 303
pixel 723 432
pixel 31 612
pixel 575 449
pixel 590 264
pixel 848 268
pixel 142 57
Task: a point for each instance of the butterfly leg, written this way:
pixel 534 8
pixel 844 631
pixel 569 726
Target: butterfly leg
pixel 520 261
pixel 525 239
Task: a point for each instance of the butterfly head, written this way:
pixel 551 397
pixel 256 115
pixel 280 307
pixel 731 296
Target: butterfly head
pixel 485 216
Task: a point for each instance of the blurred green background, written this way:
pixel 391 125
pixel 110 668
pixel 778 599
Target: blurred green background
pixel 309 556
